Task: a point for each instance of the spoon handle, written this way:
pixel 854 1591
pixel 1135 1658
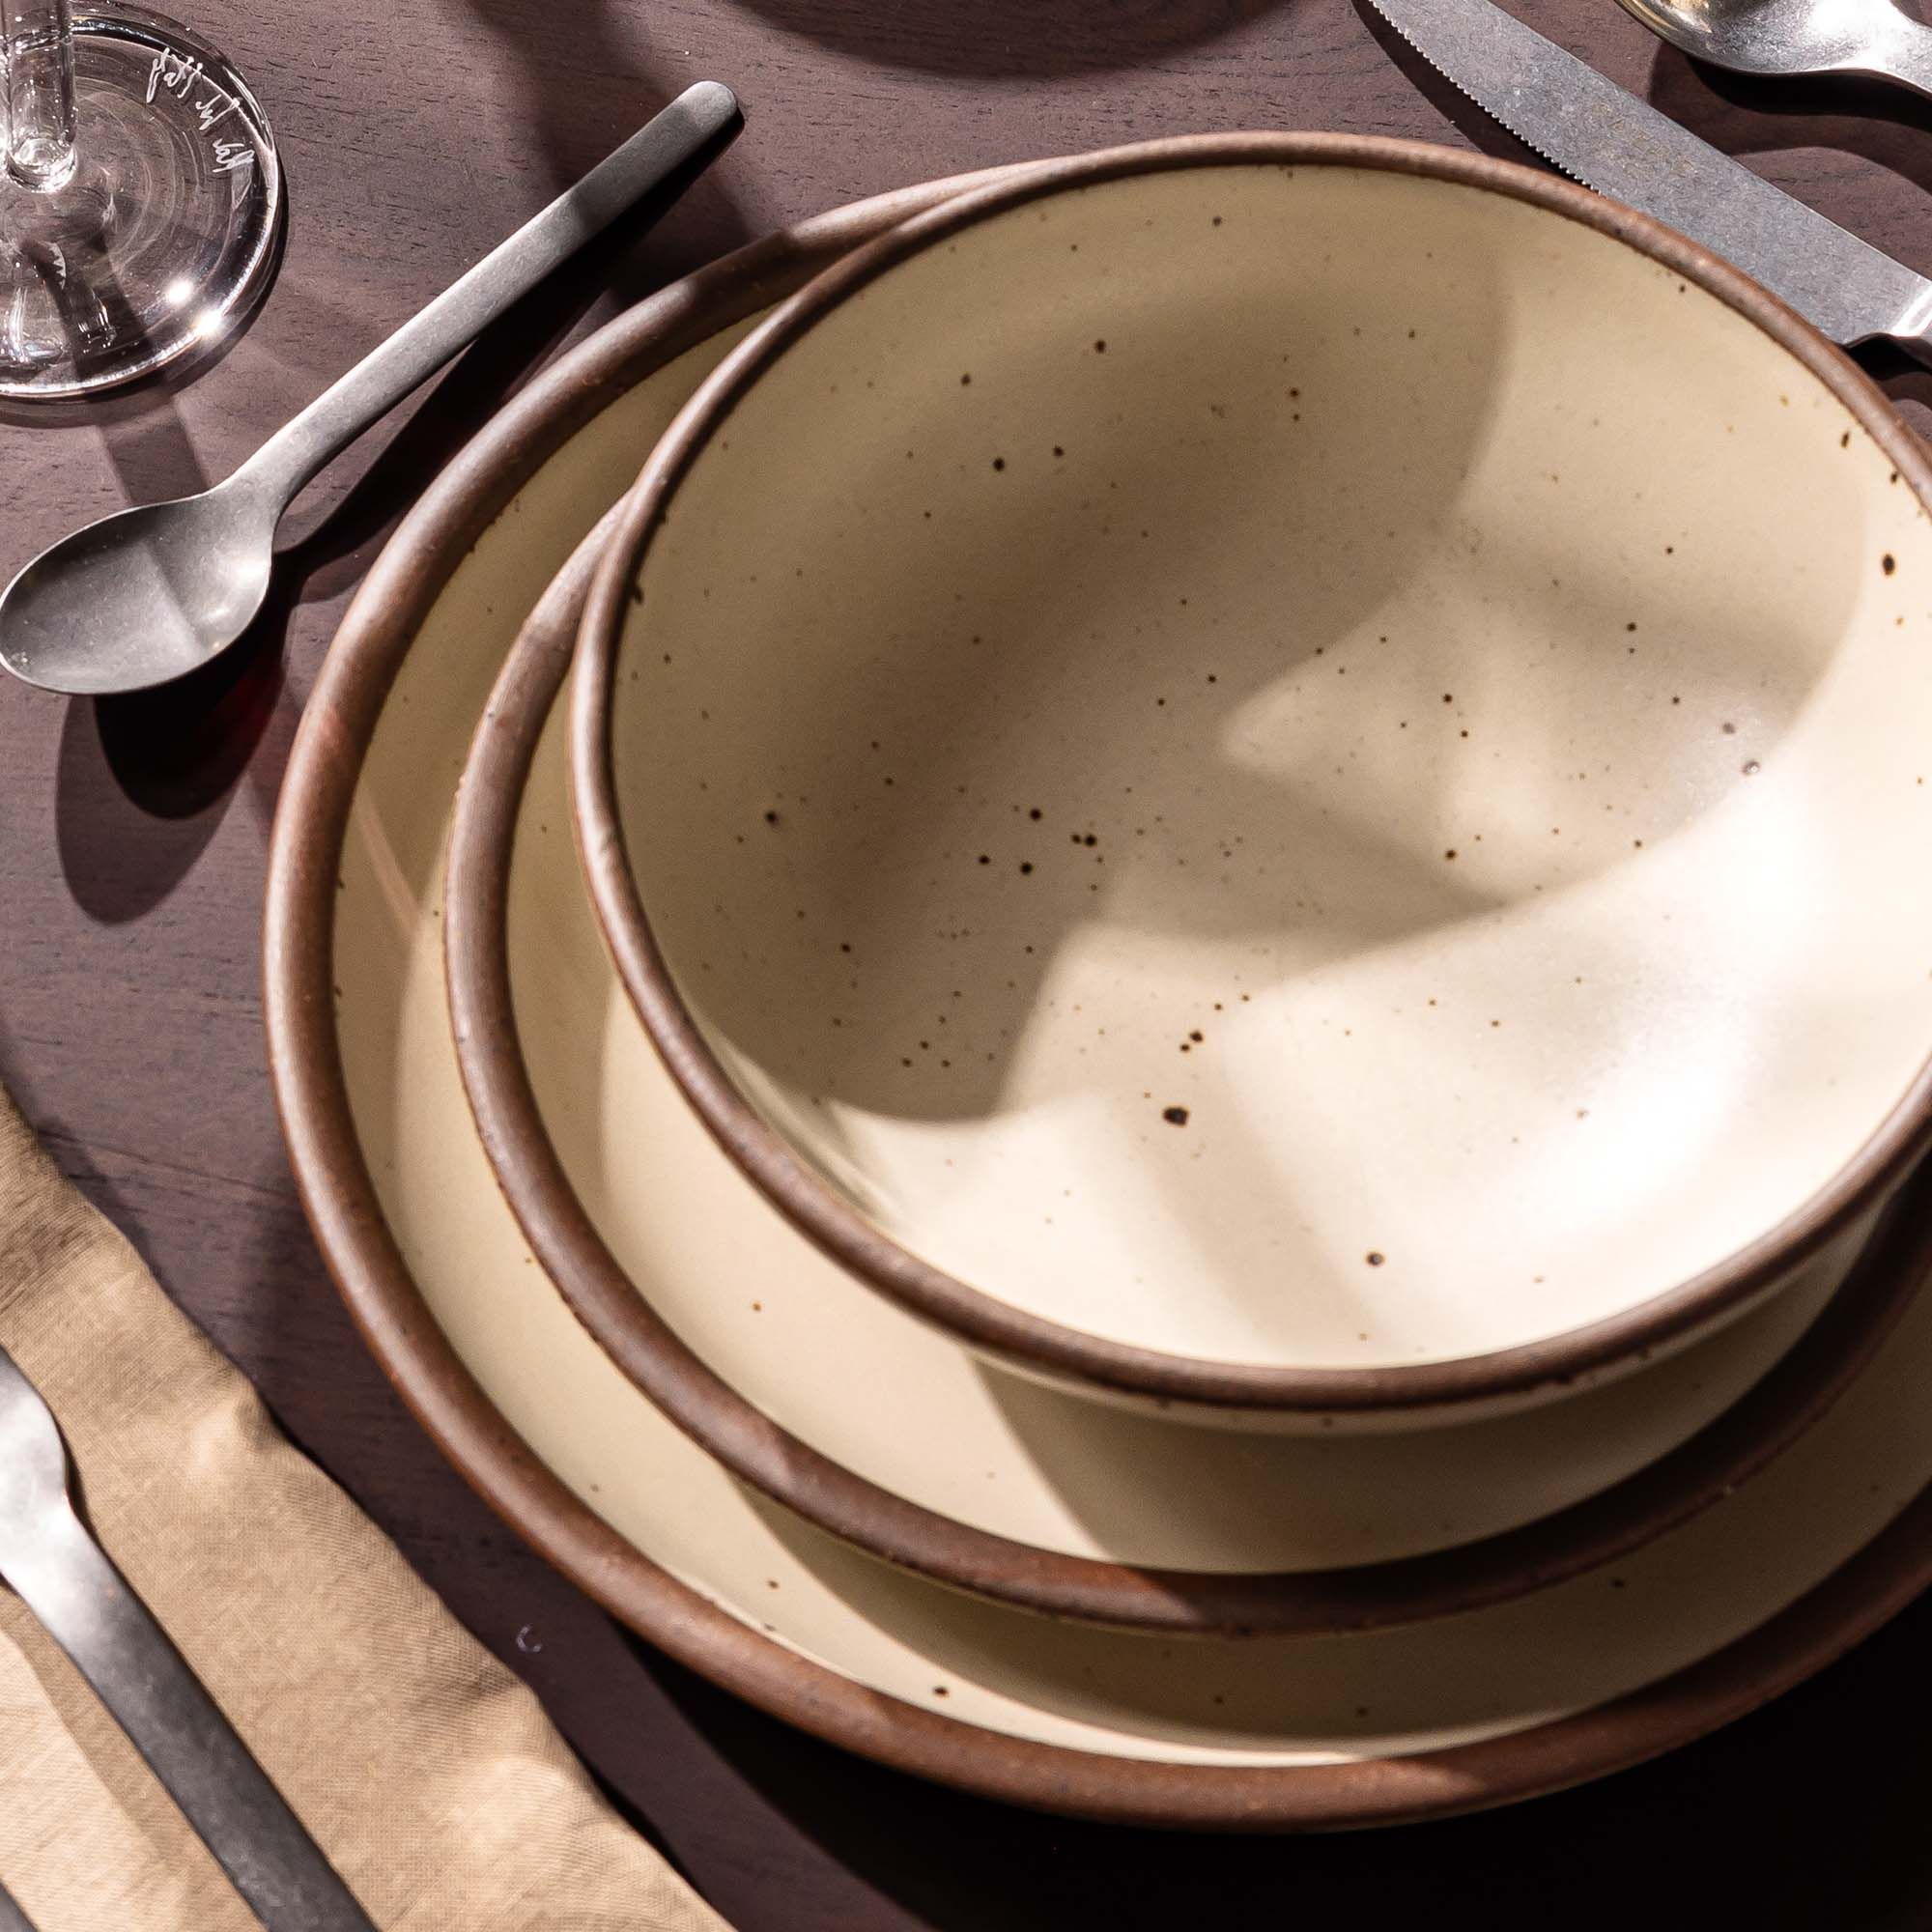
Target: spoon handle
pixel 1909 59
pixel 461 313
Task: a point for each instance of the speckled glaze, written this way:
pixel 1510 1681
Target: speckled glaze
pixel 1274 775
pixel 871 1424
pixel 1700 1627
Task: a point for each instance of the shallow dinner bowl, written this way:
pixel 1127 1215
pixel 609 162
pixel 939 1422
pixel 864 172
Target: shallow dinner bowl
pixel 1282 773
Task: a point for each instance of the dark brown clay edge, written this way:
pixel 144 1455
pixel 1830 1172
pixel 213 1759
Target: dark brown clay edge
pixel 374 1280
pixel 752 1446
pixel 1670 1320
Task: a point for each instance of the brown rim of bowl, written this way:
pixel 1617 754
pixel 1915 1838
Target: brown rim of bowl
pixel 363 1258
pixel 1664 1321
pixel 619 1316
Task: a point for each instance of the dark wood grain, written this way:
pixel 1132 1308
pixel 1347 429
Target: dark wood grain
pixel 416 132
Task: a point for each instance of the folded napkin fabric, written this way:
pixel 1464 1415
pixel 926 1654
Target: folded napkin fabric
pixel 420 1765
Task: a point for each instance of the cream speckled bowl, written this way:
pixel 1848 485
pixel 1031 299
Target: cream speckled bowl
pixel 1275 774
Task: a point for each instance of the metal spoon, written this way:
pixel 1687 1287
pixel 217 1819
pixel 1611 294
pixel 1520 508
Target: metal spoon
pixel 1870 38
pixel 146 595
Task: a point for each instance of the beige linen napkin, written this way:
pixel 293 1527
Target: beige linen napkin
pixel 422 1767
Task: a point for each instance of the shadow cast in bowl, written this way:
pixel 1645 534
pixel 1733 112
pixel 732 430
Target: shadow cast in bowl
pixel 1391 1692
pixel 1062 853
pixel 1843 1460
pixel 1099 721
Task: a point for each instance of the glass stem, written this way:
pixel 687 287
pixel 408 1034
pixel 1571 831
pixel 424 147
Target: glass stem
pixel 38 42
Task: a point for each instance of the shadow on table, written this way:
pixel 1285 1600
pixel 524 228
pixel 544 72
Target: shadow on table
pixel 145 780
pixel 1017 39
pixel 1807 1815
pixel 588 77
pixel 1873 120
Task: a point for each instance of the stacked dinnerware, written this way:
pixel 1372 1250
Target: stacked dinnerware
pixel 1165 938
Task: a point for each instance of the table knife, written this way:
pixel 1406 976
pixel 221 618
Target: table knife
pixel 1609 140
pixel 88 1608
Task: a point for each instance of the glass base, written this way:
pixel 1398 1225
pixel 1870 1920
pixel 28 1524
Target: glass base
pixel 164 235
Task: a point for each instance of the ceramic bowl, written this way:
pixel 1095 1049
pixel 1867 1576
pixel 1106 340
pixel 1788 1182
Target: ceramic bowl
pixel 1275 774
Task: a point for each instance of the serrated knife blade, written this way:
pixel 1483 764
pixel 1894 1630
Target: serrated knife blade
pixel 1609 140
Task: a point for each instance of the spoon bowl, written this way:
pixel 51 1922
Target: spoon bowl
pixel 1794 37
pixel 141 596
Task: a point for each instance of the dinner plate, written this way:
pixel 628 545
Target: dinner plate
pixel 868 1423
pixel 1697 1627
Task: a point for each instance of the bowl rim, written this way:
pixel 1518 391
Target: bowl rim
pixel 1529 1371
pixel 367 1265
pixel 1781 1403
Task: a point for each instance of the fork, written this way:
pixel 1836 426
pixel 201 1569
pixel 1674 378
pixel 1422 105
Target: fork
pixel 86 1607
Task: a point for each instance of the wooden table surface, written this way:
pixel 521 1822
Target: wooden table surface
pixel 133 836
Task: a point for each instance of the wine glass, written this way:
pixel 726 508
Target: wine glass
pixel 140 197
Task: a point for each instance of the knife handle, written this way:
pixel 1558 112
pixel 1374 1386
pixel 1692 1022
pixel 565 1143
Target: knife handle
pixel 86 1607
